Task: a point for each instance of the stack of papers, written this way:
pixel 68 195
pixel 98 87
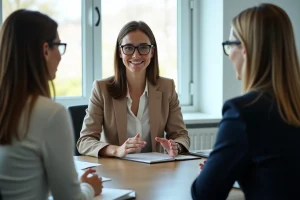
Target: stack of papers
pixel 107 193
pixel 154 157
pixel 115 194
pixel 202 153
pixel 112 194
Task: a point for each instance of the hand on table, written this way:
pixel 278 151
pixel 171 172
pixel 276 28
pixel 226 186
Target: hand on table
pixel 95 181
pixel 169 145
pixel 201 165
pixel 130 145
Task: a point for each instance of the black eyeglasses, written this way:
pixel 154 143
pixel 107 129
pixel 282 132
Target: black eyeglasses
pixel 61 46
pixel 227 46
pixel 129 50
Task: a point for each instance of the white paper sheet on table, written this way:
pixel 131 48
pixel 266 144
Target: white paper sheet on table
pixel 84 165
pixel 80 172
pixel 81 166
pixel 112 194
pixel 115 194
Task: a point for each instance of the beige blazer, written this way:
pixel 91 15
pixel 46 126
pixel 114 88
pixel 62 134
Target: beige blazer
pixel 106 118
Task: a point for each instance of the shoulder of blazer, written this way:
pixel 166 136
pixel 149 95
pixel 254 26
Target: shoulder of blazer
pixel 251 103
pixel 251 99
pixel 100 87
pixel 164 84
pixel 103 82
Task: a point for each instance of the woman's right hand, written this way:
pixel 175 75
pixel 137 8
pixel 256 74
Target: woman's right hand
pixel 94 180
pixel 129 146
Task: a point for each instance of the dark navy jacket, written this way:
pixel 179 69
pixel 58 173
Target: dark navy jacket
pixel 256 147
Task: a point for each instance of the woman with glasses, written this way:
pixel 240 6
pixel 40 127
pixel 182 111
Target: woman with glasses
pixel 130 111
pixel 258 138
pixel 36 138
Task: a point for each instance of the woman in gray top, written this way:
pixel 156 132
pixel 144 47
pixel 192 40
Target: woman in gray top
pixel 36 139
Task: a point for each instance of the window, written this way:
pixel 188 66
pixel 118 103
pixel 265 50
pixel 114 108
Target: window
pixel 169 21
pixel 69 75
pixel 90 28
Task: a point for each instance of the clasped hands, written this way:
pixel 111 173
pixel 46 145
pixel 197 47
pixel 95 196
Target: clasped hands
pixel 136 143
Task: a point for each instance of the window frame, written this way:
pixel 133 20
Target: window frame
pixel 87 10
pixel 92 51
pixel 186 36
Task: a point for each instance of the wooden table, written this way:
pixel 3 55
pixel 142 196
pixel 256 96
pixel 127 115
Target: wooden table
pixel 169 180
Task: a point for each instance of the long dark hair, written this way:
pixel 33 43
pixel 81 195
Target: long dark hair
pixel 23 71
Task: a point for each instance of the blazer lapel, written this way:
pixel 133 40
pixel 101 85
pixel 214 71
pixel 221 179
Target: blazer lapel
pixel 154 103
pixel 120 110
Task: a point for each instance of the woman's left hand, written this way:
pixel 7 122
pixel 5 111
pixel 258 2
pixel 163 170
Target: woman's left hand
pixel 201 165
pixel 169 145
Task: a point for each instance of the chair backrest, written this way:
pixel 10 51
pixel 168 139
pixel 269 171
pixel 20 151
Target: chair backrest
pixel 77 115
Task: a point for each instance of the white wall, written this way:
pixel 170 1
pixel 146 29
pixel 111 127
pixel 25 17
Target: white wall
pixel 216 74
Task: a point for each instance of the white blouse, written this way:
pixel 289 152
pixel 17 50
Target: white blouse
pixel 140 123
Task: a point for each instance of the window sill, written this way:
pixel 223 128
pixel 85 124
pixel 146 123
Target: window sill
pixel 200 118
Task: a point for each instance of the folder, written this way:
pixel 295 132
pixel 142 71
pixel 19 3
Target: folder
pixel 154 157
pixel 202 153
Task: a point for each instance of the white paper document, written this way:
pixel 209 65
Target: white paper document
pixel 186 157
pixel 80 172
pixel 81 166
pixel 115 194
pixel 112 194
pixel 203 153
pixel 84 165
pixel 236 185
pixel 154 157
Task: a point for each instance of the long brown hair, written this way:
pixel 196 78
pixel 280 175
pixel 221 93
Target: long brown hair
pixel 271 63
pixel 117 86
pixel 23 71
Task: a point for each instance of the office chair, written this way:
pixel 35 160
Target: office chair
pixel 77 115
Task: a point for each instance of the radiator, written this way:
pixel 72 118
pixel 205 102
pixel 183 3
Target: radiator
pixel 202 138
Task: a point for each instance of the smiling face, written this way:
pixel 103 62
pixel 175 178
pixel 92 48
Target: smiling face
pixel 136 63
pixel 236 55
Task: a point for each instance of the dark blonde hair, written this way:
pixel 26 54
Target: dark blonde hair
pixel 23 71
pixel 117 86
pixel 271 63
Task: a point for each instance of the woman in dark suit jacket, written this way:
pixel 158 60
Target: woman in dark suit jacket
pixel 258 138
pixel 130 111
